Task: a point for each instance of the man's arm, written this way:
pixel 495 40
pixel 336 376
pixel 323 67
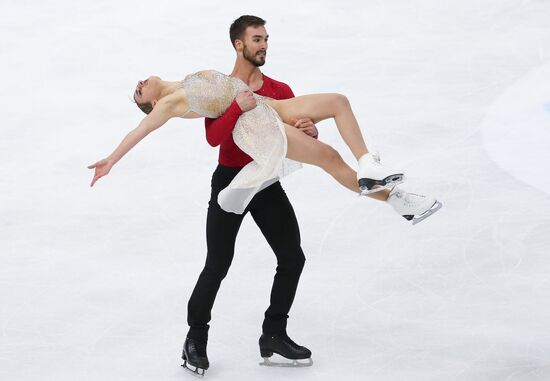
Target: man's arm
pixel 218 130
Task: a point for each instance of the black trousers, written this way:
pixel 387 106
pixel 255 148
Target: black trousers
pixel 275 217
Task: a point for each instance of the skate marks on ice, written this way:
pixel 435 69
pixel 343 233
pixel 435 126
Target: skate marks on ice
pixel 475 306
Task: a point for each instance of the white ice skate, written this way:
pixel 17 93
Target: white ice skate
pixel 374 177
pixel 413 206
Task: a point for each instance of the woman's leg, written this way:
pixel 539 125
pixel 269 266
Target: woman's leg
pixel 306 149
pixel 319 107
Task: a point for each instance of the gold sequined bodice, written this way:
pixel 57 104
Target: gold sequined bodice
pixel 210 93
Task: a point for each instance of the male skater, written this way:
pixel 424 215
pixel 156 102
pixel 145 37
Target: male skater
pixel 270 209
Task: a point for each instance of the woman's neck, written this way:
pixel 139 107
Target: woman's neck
pixel 168 87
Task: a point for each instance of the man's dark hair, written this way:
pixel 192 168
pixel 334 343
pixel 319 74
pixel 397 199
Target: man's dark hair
pixel 237 29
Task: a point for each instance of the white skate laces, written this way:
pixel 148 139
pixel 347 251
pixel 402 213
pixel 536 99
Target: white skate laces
pixel 412 206
pixel 372 176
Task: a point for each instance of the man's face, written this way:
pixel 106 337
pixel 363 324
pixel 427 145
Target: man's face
pixel 255 45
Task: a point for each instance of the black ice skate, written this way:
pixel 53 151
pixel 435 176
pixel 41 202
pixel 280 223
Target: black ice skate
pixel 284 346
pixel 374 177
pixel 195 359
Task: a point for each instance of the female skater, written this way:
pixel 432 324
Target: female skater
pixel 263 134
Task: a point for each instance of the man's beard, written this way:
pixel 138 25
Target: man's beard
pixel 254 59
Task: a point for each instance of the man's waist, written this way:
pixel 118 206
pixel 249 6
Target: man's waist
pixel 232 156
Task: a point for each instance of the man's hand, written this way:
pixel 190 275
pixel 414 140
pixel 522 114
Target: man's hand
pixel 306 126
pixel 245 100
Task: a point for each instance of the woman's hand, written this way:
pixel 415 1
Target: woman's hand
pixel 170 106
pixel 102 168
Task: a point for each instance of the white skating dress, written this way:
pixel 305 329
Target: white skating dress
pixel 259 133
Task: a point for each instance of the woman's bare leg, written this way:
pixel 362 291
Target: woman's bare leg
pixel 319 107
pixel 306 149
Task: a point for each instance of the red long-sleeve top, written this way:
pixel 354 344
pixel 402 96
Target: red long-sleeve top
pixel 219 131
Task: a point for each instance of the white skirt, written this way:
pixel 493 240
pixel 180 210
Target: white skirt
pixel 260 133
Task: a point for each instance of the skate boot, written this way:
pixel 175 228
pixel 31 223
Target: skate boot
pixel 373 176
pixel 284 346
pixel 194 356
pixel 413 206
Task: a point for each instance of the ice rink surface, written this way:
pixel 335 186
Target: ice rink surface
pixel 94 283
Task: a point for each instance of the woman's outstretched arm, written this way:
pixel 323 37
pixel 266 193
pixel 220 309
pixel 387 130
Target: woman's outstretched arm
pixel 165 109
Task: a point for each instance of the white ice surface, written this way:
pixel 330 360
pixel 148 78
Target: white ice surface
pixel 94 283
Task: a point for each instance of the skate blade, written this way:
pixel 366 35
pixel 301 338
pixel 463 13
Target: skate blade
pixel 291 364
pixel 197 372
pixel 435 207
pixel 385 184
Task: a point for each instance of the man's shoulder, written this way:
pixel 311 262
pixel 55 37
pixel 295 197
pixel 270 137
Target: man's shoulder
pixel 278 87
pixel 274 82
